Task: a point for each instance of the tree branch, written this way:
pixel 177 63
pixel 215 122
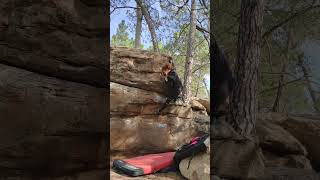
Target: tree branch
pixel 122 7
pixel 200 67
pixel 203 3
pixel 284 84
pixel 202 29
pixel 288 19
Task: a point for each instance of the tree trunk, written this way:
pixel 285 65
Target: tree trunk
pixel 244 96
pixel 137 42
pixel 308 83
pixel 150 25
pixel 189 59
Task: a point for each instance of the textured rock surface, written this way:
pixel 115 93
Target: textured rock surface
pixel 129 101
pixel 149 134
pixel 196 105
pixel 205 103
pixel 136 92
pixel 289 145
pixel 307 131
pixel 53 103
pixel 52 114
pixel 286 161
pixel 274 138
pixel 64 39
pixel 137 68
pixel 199 168
pixel 290 174
pixel 87 175
pixel 237 159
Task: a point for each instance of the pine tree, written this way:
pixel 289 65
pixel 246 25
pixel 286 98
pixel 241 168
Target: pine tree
pixel 121 38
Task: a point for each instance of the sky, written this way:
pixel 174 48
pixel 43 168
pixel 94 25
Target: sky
pixel 120 14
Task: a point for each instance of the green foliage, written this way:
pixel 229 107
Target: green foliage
pixel 121 38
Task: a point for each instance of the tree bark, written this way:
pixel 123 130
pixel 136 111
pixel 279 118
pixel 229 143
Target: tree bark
pixel 151 27
pixel 186 94
pixel 244 96
pixel 137 42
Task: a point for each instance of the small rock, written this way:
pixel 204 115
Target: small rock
pixel 197 167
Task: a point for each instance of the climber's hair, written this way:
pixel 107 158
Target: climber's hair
pixel 165 68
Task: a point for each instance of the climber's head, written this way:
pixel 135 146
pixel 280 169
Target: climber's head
pixel 166 69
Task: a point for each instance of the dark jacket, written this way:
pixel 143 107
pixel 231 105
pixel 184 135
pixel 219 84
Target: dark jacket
pixel 174 85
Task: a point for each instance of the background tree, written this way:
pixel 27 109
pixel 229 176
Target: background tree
pixel 149 21
pixel 279 70
pixel 244 96
pixel 189 59
pixel 137 41
pixel 121 38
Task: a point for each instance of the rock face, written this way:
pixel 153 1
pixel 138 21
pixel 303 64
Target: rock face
pixel 274 138
pixel 52 97
pixel 87 175
pixel 137 68
pixel 136 92
pixel 237 159
pixel 204 102
pixel 64 39
pixel 286 148
pixel 197 167
pixel 307 131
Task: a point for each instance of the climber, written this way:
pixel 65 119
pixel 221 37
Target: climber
pixel 222 79
pixel 173 83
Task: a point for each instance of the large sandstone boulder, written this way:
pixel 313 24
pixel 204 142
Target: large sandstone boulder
pixel 48 124
pixel 286 160
pixel 204 102
pixel 289 147
pixel 274 138
pixel 307 131
pixel 149 133
pixel 129 101
pixel 87 175
pixel 233 156
pixel 53 79
pixel 197 167
pixel 136 93
pixel 64 39
pixel 137 68
pixel 290 174
pixel 234 159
